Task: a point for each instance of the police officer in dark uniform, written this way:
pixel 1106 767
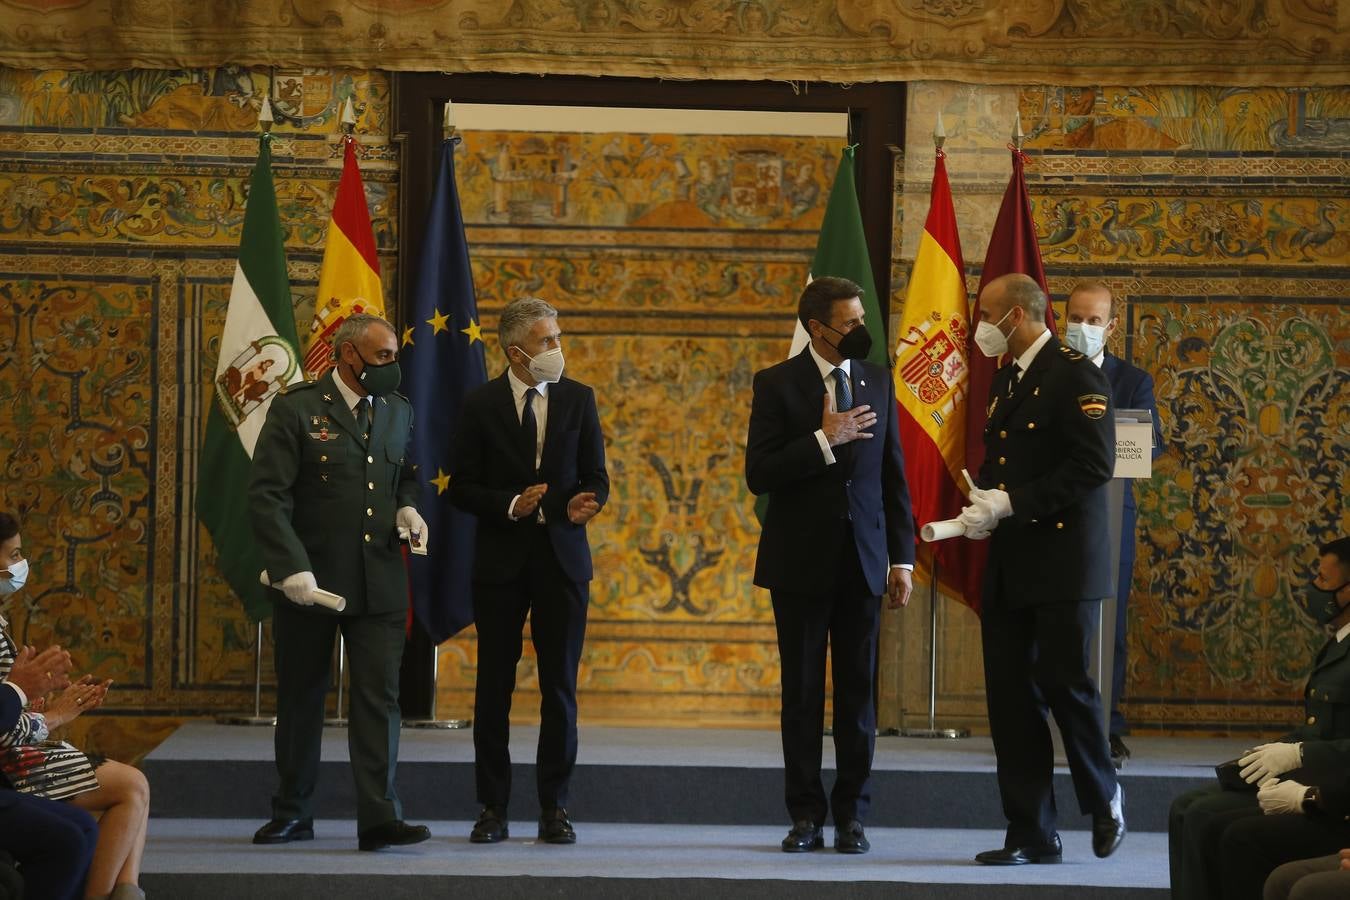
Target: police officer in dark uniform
pixel 331 492
pixel 1049 453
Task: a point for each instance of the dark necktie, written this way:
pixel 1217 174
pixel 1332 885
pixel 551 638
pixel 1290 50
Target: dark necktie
pixel 362 413
pixel 529 427
pixel 843 391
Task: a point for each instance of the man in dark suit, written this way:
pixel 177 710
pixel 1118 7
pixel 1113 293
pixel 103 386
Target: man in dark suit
pixel 52 841
pixel 1093 315
pixel 529 463
pixel 824 443
pixel 331 493
pixel 1199 820
pixel 1049 453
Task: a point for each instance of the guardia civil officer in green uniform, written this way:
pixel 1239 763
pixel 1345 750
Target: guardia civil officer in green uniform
pixel 331 491
pixel 1049 451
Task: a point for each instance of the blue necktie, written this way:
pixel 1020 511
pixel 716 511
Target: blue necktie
pixel 843 391
pixel 529 426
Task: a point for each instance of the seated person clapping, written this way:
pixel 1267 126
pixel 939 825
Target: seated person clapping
pixel 37 766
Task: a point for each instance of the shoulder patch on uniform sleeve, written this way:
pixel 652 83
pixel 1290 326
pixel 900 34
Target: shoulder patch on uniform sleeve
pixel 1092 405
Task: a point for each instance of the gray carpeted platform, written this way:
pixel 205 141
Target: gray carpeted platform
pixel 649 775
pixel 198 858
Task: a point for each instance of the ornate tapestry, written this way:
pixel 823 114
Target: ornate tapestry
pixel 1085 42
pixel 1219 214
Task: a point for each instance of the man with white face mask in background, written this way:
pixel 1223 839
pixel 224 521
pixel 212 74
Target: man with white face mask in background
pixel 1093 315
pixel 529 463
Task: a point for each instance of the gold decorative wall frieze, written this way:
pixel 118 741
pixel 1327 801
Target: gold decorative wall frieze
pixel 1287 42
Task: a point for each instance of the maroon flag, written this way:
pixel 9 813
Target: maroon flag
pixel 1012 248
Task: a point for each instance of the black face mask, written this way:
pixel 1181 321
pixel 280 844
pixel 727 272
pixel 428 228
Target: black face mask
pixel 378 379
pixel 856 344
pixel 1322 605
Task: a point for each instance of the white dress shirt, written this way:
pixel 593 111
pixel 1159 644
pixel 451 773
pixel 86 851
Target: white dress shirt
pixel 540 407
pixel 351 397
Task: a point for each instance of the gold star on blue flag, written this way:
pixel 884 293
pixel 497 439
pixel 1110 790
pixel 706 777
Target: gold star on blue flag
pixel 437 375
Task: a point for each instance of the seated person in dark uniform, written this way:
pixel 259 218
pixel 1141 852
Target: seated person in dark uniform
pixel 1198 818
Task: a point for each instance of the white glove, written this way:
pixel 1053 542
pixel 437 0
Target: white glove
pixel 298 588
pixel 977 529
pixel 411 527
pixel 1281 797
pixel 979 520
pixel 999 503
pixel 1269 760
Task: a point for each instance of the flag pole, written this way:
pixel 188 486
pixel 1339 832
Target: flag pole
pixel 257 718
pixel 431 721
pixel 265 120
pixel 932 731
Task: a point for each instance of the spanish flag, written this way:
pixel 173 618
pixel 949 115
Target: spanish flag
pixel 349 279
pixel 931 376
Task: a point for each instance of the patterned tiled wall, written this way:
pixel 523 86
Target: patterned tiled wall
pixel 1221 216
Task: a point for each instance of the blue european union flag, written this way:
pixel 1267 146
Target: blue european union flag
pixel 442 358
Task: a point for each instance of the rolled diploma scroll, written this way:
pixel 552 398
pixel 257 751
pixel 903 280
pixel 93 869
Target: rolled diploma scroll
pixel 335 602
pixel 941 531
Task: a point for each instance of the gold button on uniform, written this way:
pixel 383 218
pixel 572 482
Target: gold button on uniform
pixel 369 511
pixel 1002 486
pixel 1031 426
pixel 323 458
pixel 1059 524
pixel 370 485
pixel 1002 460
pixel 370 459
pixel 1312 720
pixel 1003 434
pixel 367 539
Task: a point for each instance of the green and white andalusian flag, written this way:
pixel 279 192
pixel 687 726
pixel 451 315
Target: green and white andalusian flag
pixel 841 251
pixel 258 357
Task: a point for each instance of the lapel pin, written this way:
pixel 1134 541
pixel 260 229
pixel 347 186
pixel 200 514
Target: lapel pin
pixel 327 398
pixel 862 383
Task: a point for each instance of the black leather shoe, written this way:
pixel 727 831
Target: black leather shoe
pixel 392 834
pixel 490 827
pixel 283 831
pixel 555 827
pixel 1050 852
pixel 1108 828
pixel 850 838
pixel 804 837
pixel 1119 752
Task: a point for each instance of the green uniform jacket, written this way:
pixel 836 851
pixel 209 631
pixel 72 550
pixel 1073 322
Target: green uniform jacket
pixel 323 501
pixel 1326 699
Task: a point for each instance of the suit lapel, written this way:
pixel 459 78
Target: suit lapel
pixel 1031 379
pixel 504 406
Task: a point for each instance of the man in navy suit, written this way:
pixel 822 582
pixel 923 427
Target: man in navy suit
pixel 529 463
pixel 53 842
pixel 1093 315
pixel 824 443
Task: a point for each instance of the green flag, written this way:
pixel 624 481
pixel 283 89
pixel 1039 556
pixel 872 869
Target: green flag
pixel 841 251
pixel 258 357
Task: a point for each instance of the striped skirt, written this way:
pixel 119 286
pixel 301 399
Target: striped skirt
pixel 51 769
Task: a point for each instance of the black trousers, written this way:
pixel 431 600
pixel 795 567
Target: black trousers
pixel 1036 658
pixel 846 621
pixel 303 652
pixel 1253 847
pixel 1126 578
pixel 556 607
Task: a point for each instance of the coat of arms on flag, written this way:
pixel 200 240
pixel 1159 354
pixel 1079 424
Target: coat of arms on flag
pixel 260 369
pixel 932 363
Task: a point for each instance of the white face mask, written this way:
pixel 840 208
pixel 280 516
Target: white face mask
pixel 18 577
pixel 1086 339
pixel 990 338
pixel 547 366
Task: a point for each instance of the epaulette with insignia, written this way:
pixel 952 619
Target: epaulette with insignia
pixel 298 386
pixel 1071 354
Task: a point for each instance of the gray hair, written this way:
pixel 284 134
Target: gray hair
pixel 519 317
pixel 352 327
pixel 1023 291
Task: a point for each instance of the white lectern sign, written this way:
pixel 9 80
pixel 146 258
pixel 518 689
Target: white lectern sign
pixel 1134 443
